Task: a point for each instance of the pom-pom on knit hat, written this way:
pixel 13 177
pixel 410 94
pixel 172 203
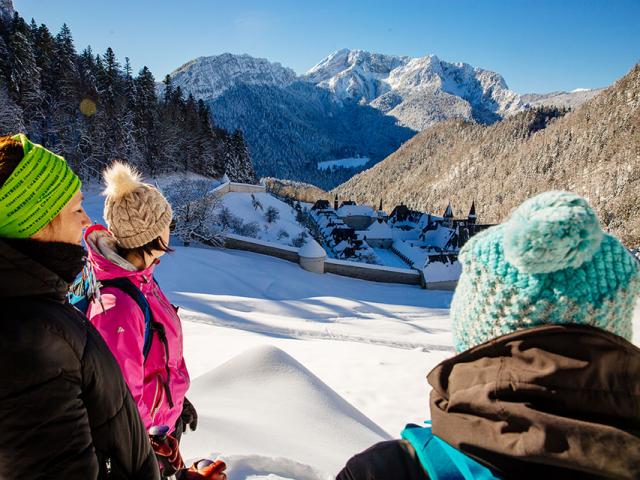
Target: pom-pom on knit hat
pixel 136 212
pixel 549 263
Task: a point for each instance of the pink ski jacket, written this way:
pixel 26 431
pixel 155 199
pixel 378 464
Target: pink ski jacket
pixel 159 392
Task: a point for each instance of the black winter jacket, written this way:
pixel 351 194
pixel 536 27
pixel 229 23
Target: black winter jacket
pixel 65 410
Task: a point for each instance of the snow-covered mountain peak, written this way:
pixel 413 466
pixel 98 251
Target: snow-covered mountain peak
pixel 355 74
pixel 353 60
pixel 411 88
pixel 418 72
pixel 209 77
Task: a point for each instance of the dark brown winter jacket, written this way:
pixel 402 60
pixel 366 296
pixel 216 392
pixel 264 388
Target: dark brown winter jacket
pixel 547 402
pixel 65 410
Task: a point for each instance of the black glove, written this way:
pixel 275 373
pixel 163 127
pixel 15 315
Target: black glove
pixel 189 416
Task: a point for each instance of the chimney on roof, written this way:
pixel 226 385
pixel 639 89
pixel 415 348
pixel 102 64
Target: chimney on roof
pixel 335 202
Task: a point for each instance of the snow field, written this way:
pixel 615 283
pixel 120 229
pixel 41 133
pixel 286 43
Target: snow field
pixel 369 344
pixel 344 163
pixel 294 372
pixel 240 205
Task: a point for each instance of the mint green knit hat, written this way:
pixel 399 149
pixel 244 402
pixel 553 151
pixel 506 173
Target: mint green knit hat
pixel 549 263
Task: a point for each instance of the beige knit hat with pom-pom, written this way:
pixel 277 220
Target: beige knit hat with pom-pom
pixel 136 212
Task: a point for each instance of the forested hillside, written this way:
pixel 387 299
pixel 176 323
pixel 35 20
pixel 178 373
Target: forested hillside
pixel 93 109
pixel 290 130
pixel 594 151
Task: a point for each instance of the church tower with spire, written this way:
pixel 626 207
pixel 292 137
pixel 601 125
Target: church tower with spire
pixel 472 212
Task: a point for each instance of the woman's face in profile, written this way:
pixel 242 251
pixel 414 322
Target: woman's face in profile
pixel 67 227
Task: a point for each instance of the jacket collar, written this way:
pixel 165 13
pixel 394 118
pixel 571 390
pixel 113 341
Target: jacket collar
pixel 106 261
pixel 32 268
pixel 542 400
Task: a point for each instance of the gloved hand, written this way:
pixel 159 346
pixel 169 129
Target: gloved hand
pixel 205 470
pixel 168 454
pixel 189 416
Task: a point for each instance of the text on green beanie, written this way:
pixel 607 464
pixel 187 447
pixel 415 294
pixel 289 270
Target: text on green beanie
pixel 33 195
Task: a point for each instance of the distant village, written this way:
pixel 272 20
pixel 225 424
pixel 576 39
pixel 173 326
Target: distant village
pixel 405 238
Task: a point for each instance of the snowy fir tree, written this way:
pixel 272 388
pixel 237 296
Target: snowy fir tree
pixel 93 109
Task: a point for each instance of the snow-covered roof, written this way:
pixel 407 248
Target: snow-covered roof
pixel 438 237
pixel 379 230
pixel 341 246
pixel 427 218
pixel 355 210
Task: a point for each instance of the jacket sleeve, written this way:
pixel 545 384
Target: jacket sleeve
pixel 384 460
pixel 119 434
pixel 120 321
pixel 45 422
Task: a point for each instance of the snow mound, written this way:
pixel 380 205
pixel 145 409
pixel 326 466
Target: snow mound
pixel 264 402
pixel 312 249
pixel 255 467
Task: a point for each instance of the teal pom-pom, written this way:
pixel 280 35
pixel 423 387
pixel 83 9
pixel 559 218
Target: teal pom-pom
pixel 552 231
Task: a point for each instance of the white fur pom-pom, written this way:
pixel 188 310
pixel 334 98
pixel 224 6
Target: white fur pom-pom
pixel 120 179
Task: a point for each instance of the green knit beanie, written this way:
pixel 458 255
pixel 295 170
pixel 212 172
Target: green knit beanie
pixel 549 263
pixel 35 192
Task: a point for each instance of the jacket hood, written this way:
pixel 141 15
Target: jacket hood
pixel 104 258
pixel 32 268
pixel 544 400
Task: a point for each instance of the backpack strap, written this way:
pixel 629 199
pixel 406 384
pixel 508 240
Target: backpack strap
pixel 128 287
pixel 441 460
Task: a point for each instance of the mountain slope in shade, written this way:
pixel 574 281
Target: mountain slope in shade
pixel 290 130
pixel 352 104
pixel 593 151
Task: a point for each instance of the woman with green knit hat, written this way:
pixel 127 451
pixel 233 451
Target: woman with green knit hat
pixel 65 410
pixel 546 382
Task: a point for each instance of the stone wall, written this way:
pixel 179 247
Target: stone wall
pixel 284 252
pixel 373 273
pixel 237 187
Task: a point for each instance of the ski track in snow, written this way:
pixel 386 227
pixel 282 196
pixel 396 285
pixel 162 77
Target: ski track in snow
pixel 256 467
pixel 298 334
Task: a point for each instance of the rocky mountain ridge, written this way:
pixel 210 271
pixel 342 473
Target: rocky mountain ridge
pixel 416 91
pixel 351 104
pixel 412 89
pixel 207 78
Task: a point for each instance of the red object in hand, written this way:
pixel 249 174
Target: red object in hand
pixel 207 470
pixel 167 452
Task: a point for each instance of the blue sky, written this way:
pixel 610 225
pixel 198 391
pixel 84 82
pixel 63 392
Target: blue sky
pixel 538 46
